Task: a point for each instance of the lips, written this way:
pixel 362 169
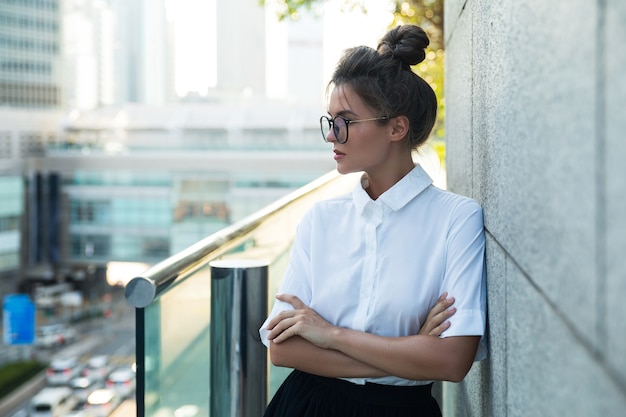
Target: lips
pixel 337 152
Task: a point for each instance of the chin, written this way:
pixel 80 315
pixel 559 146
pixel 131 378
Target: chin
pixel 346 170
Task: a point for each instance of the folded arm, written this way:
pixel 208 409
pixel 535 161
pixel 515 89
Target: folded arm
pixel 411 357
pixel 301 339
pixel 303 355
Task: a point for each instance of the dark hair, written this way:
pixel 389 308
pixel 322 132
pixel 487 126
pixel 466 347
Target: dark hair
pixel 384 80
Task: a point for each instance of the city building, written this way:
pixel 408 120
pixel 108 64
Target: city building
pixel 121 173
pixel 142 52
pixel 30 54
pixel 89 54
pixel 141 183
pixel 23 134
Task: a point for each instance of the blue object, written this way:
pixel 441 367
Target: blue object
pixel 18 320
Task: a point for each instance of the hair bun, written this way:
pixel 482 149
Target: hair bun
pixel 406 43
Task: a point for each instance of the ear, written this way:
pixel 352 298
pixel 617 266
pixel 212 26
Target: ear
pixel 399 128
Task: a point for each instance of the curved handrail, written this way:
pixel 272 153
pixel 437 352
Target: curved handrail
pixel 141 291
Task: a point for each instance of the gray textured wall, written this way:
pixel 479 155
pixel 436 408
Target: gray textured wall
pixel 536 132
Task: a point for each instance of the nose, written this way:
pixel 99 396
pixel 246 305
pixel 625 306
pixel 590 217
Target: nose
pixel 330 136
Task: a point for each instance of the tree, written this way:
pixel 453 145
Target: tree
pixel 426 13
pixel 429 15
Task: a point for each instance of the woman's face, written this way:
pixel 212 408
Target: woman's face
pixel 368 146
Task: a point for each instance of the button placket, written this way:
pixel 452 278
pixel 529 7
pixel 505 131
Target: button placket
pixel 373 218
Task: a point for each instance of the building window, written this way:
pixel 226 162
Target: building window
pixel 90 246
pixel 9 261
pixel 9 223
pixel 140 248
pixel 155 248
pixel 90 212
pixel 194 211
pixel 146 213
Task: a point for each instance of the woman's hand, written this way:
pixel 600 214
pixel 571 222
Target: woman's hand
pixel 303 322
pixel 437 320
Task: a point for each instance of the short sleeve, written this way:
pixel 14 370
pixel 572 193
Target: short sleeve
pixel 465 273
pixel 297 278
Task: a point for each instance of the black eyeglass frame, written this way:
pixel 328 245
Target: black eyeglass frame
pixel 336 130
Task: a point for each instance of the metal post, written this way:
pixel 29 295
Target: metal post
pixel 238 382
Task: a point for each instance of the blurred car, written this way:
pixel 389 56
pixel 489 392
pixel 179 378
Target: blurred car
pixel 78 410
pixel 62 371
pixel 97 367
pixel 101 402
pixel 51 402
pixel 54 335
pixel 122 380
pixel 82 386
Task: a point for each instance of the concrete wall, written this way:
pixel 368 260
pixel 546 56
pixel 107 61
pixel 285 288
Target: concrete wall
pixel 535 119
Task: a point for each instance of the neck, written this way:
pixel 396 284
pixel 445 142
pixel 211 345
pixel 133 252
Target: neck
pixel 379 182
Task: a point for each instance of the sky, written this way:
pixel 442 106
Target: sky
pixel 194 71
pixel 197 72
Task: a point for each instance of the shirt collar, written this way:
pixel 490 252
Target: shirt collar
pixel 405 190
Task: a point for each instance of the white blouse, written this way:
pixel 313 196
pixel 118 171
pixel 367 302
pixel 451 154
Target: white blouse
pixel 379 266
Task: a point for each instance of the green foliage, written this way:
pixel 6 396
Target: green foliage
pixel 15 374
pixel 431 70
pixel 427 14
pixel 291 8
pixel 440 148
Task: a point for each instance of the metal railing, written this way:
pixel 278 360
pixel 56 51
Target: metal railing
pixel 189 331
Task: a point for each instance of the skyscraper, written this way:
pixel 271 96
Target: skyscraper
pixel 141 52
pixel 241 57
pixel 30 53
pixel 88 55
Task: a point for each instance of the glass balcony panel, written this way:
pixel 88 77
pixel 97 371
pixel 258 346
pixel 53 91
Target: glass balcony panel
pixel 173 330
pixel 177 341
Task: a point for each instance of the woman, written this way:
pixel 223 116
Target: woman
pixel 366 268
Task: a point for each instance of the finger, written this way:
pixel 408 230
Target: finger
pixel 437 331
pixel 445 302
pixel 444 315
pixel 442 320
pixel 441 305
pixel 436 317
pixel 285 334
pixel 280 317
pixel 449 312
pixel 281 327
pixel 291 299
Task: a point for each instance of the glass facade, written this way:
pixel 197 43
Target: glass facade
pixel 146 217
pixel 120 216
pixel 30 37
pixel 11 209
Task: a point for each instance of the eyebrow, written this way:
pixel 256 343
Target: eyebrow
pixel 344 113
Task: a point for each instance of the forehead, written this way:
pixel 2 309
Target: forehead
pixel 344 100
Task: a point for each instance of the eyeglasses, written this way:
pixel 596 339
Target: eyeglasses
pixel 339 126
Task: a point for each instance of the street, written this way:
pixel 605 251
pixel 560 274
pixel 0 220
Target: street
pixel 113 337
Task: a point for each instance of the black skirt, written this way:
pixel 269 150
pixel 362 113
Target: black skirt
pixel 306 395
